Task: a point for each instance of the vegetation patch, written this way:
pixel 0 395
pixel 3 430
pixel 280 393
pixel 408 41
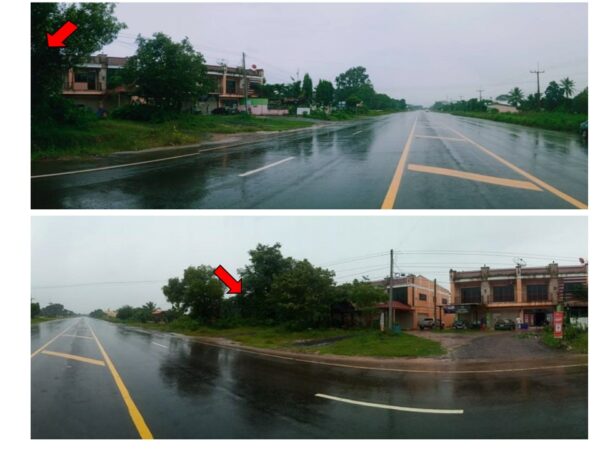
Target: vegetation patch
pixel 574 339
pixel 557 121
pixel 105 136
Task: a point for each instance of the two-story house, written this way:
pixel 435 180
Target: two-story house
pixel 415 297
pixel 524 294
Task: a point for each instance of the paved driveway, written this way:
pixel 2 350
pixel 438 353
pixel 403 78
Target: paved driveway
pixel 490 345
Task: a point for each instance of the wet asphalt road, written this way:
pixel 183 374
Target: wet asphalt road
pixel 184 389
pixel 449 163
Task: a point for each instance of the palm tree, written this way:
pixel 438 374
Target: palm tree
pixel 150 307
pixel 568 86
pixel 515 96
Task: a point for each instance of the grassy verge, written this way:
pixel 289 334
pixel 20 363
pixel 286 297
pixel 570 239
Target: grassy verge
pixel 576 341
pixel 103 137
pixel 547 120
pixel 355 342
pixel 38 319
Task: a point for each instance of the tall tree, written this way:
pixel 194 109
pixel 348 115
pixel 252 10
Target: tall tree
pixel 515 97
pixel 354 82
pixel 568 86
pixel 35 309
pixel 307 89
pixel 167 73
pixel 199 293
pixel 324 93
pixel 266 263
pixel 303 295
pixel 554 96
pixel 97 27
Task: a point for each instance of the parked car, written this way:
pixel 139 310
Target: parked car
pixel 505 324
pixel 583 130
pixel 476 325
pixel 426 322
pixel 459 325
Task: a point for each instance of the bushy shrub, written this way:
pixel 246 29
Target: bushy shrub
pixel 144 113
pixel 184 323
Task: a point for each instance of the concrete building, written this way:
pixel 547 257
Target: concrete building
pixel 96 84
pixel 413 299
pixel 228 87
pixel 501 107
pixel 524 294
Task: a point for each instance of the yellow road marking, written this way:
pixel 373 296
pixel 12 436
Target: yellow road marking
pixel 75 357
pixel 390 197
pixel 78 336
pixel 134 412
pixel 443 138
pixel 474 177
pixel 51 341
pixel 542 184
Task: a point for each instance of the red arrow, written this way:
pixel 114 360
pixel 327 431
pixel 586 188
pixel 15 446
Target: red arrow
pixel 56 39
pixel 235 286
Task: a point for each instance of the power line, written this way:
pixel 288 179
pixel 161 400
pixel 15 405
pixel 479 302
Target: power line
pixel 98 283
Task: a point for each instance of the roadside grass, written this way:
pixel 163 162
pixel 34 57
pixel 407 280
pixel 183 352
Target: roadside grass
pixel 103 137
pixel 40 319
pixel 576 341
pixel 385 345
pixel 352 342
pixel 557 121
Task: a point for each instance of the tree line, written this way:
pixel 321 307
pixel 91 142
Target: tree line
pixel 557 97
pixel 276 290
pixel 51 310
pixel 353 88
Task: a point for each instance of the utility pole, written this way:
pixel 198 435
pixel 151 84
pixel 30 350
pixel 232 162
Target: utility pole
pixel 245 83
pixel 435 302
pixel 537 73
pixel 390 321
pixel 480 91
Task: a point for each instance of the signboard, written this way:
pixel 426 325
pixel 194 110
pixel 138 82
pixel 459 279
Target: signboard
pixel 456 309
pixel 558 324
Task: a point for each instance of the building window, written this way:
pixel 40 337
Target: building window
pixel 570 288
pixel 86 76
pixel 470 295
pixel 444 301
pixel 537 292
pixel 399 295
pixel 423 297
pixel 504 293
pixel 230 89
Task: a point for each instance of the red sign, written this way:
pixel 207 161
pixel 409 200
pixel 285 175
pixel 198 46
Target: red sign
pixel 558 324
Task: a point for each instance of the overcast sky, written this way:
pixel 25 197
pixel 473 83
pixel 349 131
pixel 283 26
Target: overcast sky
pixel 74 258
pixel 420 52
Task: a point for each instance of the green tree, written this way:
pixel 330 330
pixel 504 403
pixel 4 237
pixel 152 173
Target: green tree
pixel 324 93
pixel 352 102
pixel 125 312
pixel 361 294
pixel 580 102
pixel 554 96
pixel 568 86
pixel 302 296
pixel 307 90
pixel 166 73
pixel 97 27
pixel 353 78
pixel 199 293
pixel 97 314
pixel 515 97
pixel 266 263
pixel 54 310
pixel 35 309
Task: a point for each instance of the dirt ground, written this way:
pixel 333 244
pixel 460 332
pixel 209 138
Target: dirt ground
pixel 503 345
